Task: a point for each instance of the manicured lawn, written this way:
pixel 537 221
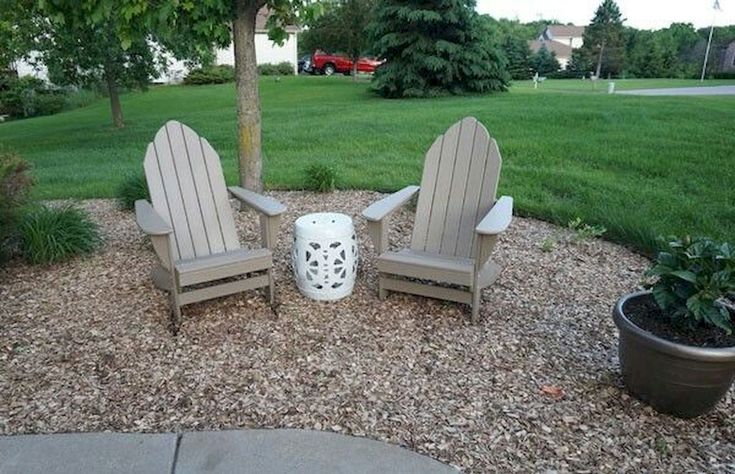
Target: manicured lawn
pixel 638 165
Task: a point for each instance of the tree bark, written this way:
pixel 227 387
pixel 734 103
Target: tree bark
pixel 248 98
pixel 355 59
pixel 114 93
pixel 599 60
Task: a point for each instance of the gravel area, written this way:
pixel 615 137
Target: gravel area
pixel 84 346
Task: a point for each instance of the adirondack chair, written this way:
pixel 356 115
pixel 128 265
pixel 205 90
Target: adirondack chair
pixel 191 224
pixel 458 220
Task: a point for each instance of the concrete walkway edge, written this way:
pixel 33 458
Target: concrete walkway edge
pixel 273 451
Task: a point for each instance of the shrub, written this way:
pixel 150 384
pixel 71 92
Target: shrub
pixel 29 97
pixel 320 178
pixel 583 231
pixel 56 234
pixel 15 184
pixel 695 281
pixel 132 188
pixel 210 75
pixel 280 69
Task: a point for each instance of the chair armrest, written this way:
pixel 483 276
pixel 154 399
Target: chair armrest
pixel 498 217
pixel 262 204
pixel 149 221
pixel 381 209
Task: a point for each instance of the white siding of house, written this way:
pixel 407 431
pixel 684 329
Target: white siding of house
pixel 265 51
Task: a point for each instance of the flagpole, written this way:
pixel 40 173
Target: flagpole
pixel 715 7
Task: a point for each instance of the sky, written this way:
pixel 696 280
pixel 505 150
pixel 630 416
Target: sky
pixel 641 14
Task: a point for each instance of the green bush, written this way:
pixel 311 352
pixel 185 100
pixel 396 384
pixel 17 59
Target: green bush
pixel 56 234
pixel 132 188
pixel 280 69
pixel 695 281
pixel 29 97
pixel 210 75
pixel 15 184
pixel 320 178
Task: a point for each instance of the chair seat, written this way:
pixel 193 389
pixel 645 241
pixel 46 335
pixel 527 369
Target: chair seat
pixel 222 265
pixel 428 266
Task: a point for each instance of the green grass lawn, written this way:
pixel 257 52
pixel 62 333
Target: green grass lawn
pixel 638 165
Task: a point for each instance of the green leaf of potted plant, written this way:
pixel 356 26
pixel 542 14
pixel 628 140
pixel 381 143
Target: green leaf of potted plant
pixel 676 347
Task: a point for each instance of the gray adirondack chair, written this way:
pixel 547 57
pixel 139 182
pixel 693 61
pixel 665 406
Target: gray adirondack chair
pixel 457 220
pixel 191 224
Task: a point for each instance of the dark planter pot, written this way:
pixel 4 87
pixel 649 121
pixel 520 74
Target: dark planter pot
pixel 684 381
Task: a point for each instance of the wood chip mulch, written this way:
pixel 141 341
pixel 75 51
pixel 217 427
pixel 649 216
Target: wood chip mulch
pixel 535 386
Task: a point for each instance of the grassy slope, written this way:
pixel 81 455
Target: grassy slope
pixel 638 165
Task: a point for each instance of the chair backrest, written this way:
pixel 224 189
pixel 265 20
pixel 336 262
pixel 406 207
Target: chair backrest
pixel 188 191
pixel 458 187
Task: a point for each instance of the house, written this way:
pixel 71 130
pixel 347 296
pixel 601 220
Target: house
pixel 266 52
pixel 560 40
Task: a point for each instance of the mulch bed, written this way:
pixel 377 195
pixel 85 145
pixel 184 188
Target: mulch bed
pixel 84 346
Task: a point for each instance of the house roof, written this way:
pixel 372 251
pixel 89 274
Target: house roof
pixel 560 49
pixel 565 31
pixel 262 19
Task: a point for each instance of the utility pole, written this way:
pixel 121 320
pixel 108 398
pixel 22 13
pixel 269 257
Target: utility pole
pixel 715 7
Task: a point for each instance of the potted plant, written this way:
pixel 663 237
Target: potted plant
pixel 676 347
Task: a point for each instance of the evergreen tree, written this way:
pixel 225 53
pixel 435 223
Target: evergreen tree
pixel 433 48
pixel 604 39
pixel 518 55
pixel 544 62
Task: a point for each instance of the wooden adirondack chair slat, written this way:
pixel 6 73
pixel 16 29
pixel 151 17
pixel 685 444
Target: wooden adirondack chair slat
pixel 490 179
pixel 203 187
pixel 426 196
pixel 468 217
pixel 220 196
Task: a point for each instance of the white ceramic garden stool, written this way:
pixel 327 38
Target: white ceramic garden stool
pixel 324 255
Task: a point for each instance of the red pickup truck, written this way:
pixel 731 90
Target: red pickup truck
pixel 328 64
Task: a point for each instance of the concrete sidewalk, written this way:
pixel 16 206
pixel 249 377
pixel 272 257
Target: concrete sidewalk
pixel 242 451
pixel 679 91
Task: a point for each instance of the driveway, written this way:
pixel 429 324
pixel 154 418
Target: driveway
pixel 705 90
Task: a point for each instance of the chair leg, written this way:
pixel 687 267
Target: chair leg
pixel 476 294
pixel 271 295
pixel 175 313
pixel 382 292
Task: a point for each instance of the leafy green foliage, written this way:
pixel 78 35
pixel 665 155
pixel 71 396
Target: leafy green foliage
pixel 584 231
pixel 434 49
pixel 28 97
pixel 15 185
pixel 281 69
pixel 132 188
pixel 218 74
pixel 695 281
pixel 544 62
pixel 604 43
pixel 56 234
pixel 320 178
pixel 518 54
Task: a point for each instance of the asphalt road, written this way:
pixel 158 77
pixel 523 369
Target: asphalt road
pixel 677 91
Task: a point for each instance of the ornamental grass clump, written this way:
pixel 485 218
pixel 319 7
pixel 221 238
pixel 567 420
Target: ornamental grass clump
pixel 320 178
pixel 695 282
pixel 132 188
pixel 56 234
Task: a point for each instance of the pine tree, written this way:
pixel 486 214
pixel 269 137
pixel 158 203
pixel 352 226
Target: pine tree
pixel 544 62
pixel 433 48
pixel 604 39
pixel 518 53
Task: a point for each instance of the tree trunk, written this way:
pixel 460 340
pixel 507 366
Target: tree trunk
pixel 114 93
pixel 248 99
pixel 599 60
pixel 354 68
